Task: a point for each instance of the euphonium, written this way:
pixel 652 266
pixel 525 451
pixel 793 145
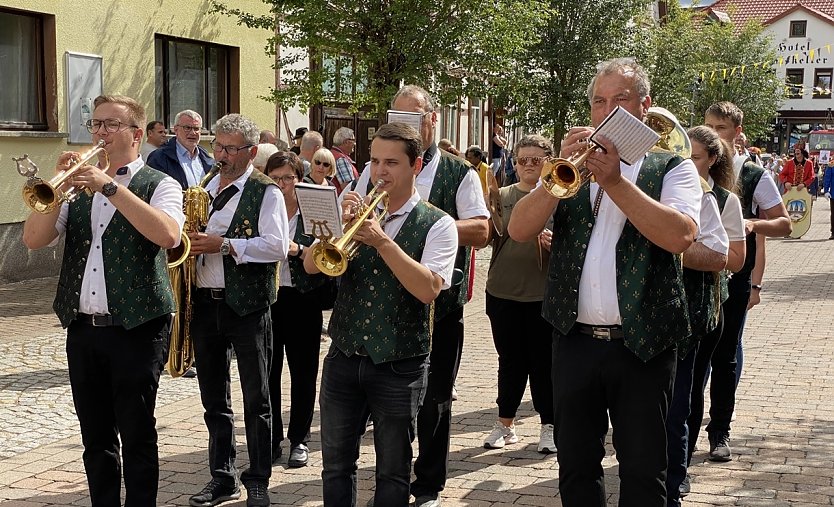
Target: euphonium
pixel 183 273
pixel 563 177
pixel 44 196
pixel 332 257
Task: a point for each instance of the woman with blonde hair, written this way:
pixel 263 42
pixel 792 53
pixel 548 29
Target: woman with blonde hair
pixel 322 168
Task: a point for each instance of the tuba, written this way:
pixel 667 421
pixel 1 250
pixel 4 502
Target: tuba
pixel 563 177
pixel 182 269
pixel 331 257
pixel 45 196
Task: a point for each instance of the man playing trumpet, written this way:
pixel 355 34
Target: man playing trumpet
pixel 381 325
pixel 615 298
pixel 117 311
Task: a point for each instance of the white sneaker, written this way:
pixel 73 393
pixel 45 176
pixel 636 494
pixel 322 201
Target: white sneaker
pixel 500 436
pixel 546 443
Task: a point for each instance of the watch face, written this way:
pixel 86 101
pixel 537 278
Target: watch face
pixel 108 189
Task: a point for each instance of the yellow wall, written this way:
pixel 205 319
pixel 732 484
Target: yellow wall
pixel 122 32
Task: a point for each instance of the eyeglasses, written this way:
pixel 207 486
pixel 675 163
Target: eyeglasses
pixel 231 150
pixel 319 162
pixel 189 128
pixel 286 179
pixel 530 160
pixel 110 125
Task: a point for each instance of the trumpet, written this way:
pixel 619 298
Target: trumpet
pixel 332 257
pixel 45 196
pixel 563 177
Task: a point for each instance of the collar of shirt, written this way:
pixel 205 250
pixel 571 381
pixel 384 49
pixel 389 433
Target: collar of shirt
pixel 182 151
pixel 336 148
pixel 404 210
pixel 132 168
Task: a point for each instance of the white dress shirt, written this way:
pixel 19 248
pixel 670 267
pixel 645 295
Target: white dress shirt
pixel 598 301
pixel 731 217
pixel 167 197
pixel 766 195
pixel 469 199
pixel 192 165
pixel 270 245
pixel 711 234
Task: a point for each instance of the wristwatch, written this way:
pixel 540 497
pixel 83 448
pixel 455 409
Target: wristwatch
pixel 756 286
pixel 108 189
pixel 226 247
pixel 300 250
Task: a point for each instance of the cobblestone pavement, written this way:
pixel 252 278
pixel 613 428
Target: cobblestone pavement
pixel 783 438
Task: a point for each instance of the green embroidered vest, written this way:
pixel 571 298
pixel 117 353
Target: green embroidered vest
pixel 702 296
pixel 373 310
pixel 250 286
pixel 722 194
pixel 649 279
pixel 450 173
pixel 301 280
pixel 135 269
pixel 748 180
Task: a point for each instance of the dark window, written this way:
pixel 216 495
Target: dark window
pixel 822 84
pixel 194 75
pixel 798 28
pixel 341 78
pixel 23 99
pixel 793 81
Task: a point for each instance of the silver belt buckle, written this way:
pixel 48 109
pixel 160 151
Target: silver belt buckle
pixel 603 333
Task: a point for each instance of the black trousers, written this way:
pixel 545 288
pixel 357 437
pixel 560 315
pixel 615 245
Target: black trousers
pixel 523 340
pixel 595 378
pixel 217 329
pixel 724 360
pixel 114 376
pixel 297 323
pixel 703 356
pixel 434 420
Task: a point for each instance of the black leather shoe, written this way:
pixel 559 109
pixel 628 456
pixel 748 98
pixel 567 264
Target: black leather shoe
pixel 214 493
pixel 298 456
pixel 277 452
pixel 257 495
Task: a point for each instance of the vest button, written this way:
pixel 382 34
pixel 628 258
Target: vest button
pixel 376 272
pixel 369 304
pixel 367 321
pixel 590 225
pixel 371 287
pixel 365 338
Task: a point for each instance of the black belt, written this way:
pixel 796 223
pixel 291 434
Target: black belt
pixel 212 293
pixel 606 333
pixel 99 320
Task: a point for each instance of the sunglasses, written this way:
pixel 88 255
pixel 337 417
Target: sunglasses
pixel 319 162
pixel 531 160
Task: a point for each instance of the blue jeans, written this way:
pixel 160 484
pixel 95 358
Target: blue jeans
pixel 351 388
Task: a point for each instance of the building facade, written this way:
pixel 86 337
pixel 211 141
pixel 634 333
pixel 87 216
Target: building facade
pixel 803 35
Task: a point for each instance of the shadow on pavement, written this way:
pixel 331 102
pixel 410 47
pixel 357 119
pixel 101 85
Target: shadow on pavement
pixel 39 380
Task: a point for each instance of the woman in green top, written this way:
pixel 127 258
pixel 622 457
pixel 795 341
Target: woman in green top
pixel 514 294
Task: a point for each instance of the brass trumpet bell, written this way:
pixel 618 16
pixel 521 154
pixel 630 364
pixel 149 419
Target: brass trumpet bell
pixel 45 196
pixel 332 257
pixel 563 177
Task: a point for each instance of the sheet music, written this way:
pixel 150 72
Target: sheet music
pixel 629 134
pixel 414 120
pixel 322 214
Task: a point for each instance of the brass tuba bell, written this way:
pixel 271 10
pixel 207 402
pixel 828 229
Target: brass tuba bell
pixel 563 177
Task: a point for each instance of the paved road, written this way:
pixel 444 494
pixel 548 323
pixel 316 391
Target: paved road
pixel 783 437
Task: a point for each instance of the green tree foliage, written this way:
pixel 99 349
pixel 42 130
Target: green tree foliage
pixel 363 51
pixel 689 58
pixel 575 35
